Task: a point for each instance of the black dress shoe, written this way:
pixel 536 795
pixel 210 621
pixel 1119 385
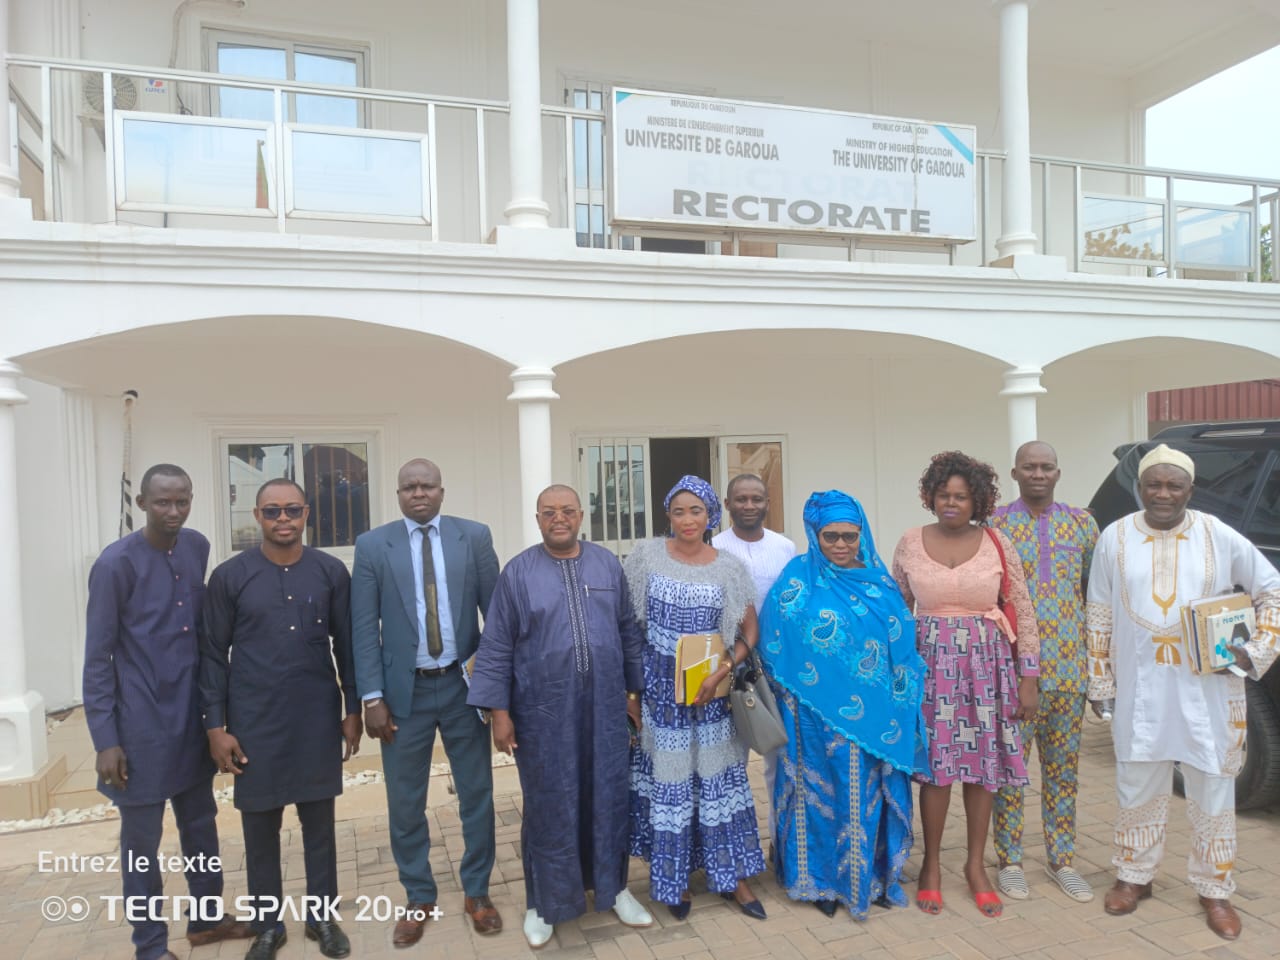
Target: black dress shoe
pixel 333 942
pixel 266 944
pixel 828 907
pixel 752 908
pixel 680 910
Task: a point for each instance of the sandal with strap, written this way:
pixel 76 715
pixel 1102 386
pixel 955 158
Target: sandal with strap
pixel 929 901
pixel 989 903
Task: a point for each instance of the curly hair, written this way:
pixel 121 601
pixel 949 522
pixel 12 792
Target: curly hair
pixel 981 478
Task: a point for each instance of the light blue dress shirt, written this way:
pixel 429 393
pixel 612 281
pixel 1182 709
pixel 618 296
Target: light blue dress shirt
pixel 449 651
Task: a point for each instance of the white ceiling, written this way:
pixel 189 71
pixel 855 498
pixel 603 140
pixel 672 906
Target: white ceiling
pixel 1140 40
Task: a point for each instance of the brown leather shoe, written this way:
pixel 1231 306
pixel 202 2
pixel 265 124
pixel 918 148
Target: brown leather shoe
pixel 483 914
pixel 1221 917
pixel 409 928
pixel 227 929
pixel 1124 896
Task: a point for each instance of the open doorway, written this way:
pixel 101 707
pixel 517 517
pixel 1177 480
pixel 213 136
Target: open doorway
pixel 670 458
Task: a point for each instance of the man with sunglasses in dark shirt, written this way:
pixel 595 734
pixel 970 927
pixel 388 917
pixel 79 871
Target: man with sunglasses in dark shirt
pixel 277 619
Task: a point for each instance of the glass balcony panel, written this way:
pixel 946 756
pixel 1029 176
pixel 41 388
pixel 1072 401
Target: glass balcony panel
pixel 1214 239
pixel 195 163
pixel 358 174
pixel 1118 228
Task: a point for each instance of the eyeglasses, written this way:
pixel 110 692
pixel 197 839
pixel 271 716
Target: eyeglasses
pixel 293 511
pixel 551 513
pixel 832 537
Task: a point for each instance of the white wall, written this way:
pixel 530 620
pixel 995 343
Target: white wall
pixel 53 571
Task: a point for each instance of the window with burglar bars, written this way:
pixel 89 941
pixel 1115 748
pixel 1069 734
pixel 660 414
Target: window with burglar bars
pixel 333 472
pixel 614 475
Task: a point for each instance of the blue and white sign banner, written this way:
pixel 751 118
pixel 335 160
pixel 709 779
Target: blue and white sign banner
pixel 731 165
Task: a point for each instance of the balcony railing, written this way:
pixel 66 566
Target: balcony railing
pixel 435 167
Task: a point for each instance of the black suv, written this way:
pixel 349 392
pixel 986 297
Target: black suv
pixel 1238 481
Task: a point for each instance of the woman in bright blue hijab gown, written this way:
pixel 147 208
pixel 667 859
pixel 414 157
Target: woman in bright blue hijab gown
pixel 838 644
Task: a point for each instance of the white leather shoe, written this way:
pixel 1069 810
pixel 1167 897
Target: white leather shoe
pixel 630 912
pixel 536 930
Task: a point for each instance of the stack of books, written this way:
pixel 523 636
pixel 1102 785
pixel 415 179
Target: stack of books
pixel 698 655
pixel 1212 626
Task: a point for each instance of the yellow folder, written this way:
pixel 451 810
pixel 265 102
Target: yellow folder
pixel 698 655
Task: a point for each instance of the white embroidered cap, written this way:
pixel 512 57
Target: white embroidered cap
pixel 1166 454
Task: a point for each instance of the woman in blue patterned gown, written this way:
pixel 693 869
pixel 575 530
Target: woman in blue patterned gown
pixel 691 806
pixel 839 645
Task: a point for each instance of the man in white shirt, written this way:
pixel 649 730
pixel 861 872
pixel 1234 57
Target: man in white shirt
pixel 765 553
pixel 1146 567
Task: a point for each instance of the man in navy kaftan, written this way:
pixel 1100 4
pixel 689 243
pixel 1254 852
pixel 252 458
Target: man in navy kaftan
pixel 559 664
pixel 142 705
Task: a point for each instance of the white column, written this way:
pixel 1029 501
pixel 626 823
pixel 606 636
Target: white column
pixel 1017 235
pixel 9 183
pixel 23 748
pixel 1021 387
pixel 534 394
pixel 524 90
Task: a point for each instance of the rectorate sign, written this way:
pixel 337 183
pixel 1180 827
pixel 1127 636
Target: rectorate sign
pixel 732 165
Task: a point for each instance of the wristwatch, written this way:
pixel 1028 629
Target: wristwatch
pixel 633 695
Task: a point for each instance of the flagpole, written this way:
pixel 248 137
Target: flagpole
pixel 126 483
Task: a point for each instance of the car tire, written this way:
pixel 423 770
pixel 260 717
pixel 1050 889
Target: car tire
pixel 1258 783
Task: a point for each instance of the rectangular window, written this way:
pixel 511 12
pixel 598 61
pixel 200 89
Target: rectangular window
pixel 588 174
pixel 280 58
pixel 334 472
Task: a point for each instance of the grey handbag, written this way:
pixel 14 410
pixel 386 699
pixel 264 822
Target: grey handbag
pixel 755 713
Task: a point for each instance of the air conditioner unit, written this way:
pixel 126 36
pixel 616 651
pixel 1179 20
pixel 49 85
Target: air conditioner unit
pixel 148 94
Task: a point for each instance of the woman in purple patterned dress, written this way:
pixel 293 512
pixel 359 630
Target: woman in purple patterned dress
pixel 975 693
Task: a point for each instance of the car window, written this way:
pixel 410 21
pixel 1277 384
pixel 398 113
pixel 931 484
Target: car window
pixel 1224 481
pixel 1264 525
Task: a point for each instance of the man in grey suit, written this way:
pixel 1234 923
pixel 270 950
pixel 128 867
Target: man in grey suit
pixel 418 589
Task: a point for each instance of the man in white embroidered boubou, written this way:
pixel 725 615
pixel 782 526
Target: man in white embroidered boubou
pixel 1146 567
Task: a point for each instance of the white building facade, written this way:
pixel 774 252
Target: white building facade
pixel 319 239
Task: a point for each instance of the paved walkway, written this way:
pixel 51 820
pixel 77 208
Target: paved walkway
pixel 1048 925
